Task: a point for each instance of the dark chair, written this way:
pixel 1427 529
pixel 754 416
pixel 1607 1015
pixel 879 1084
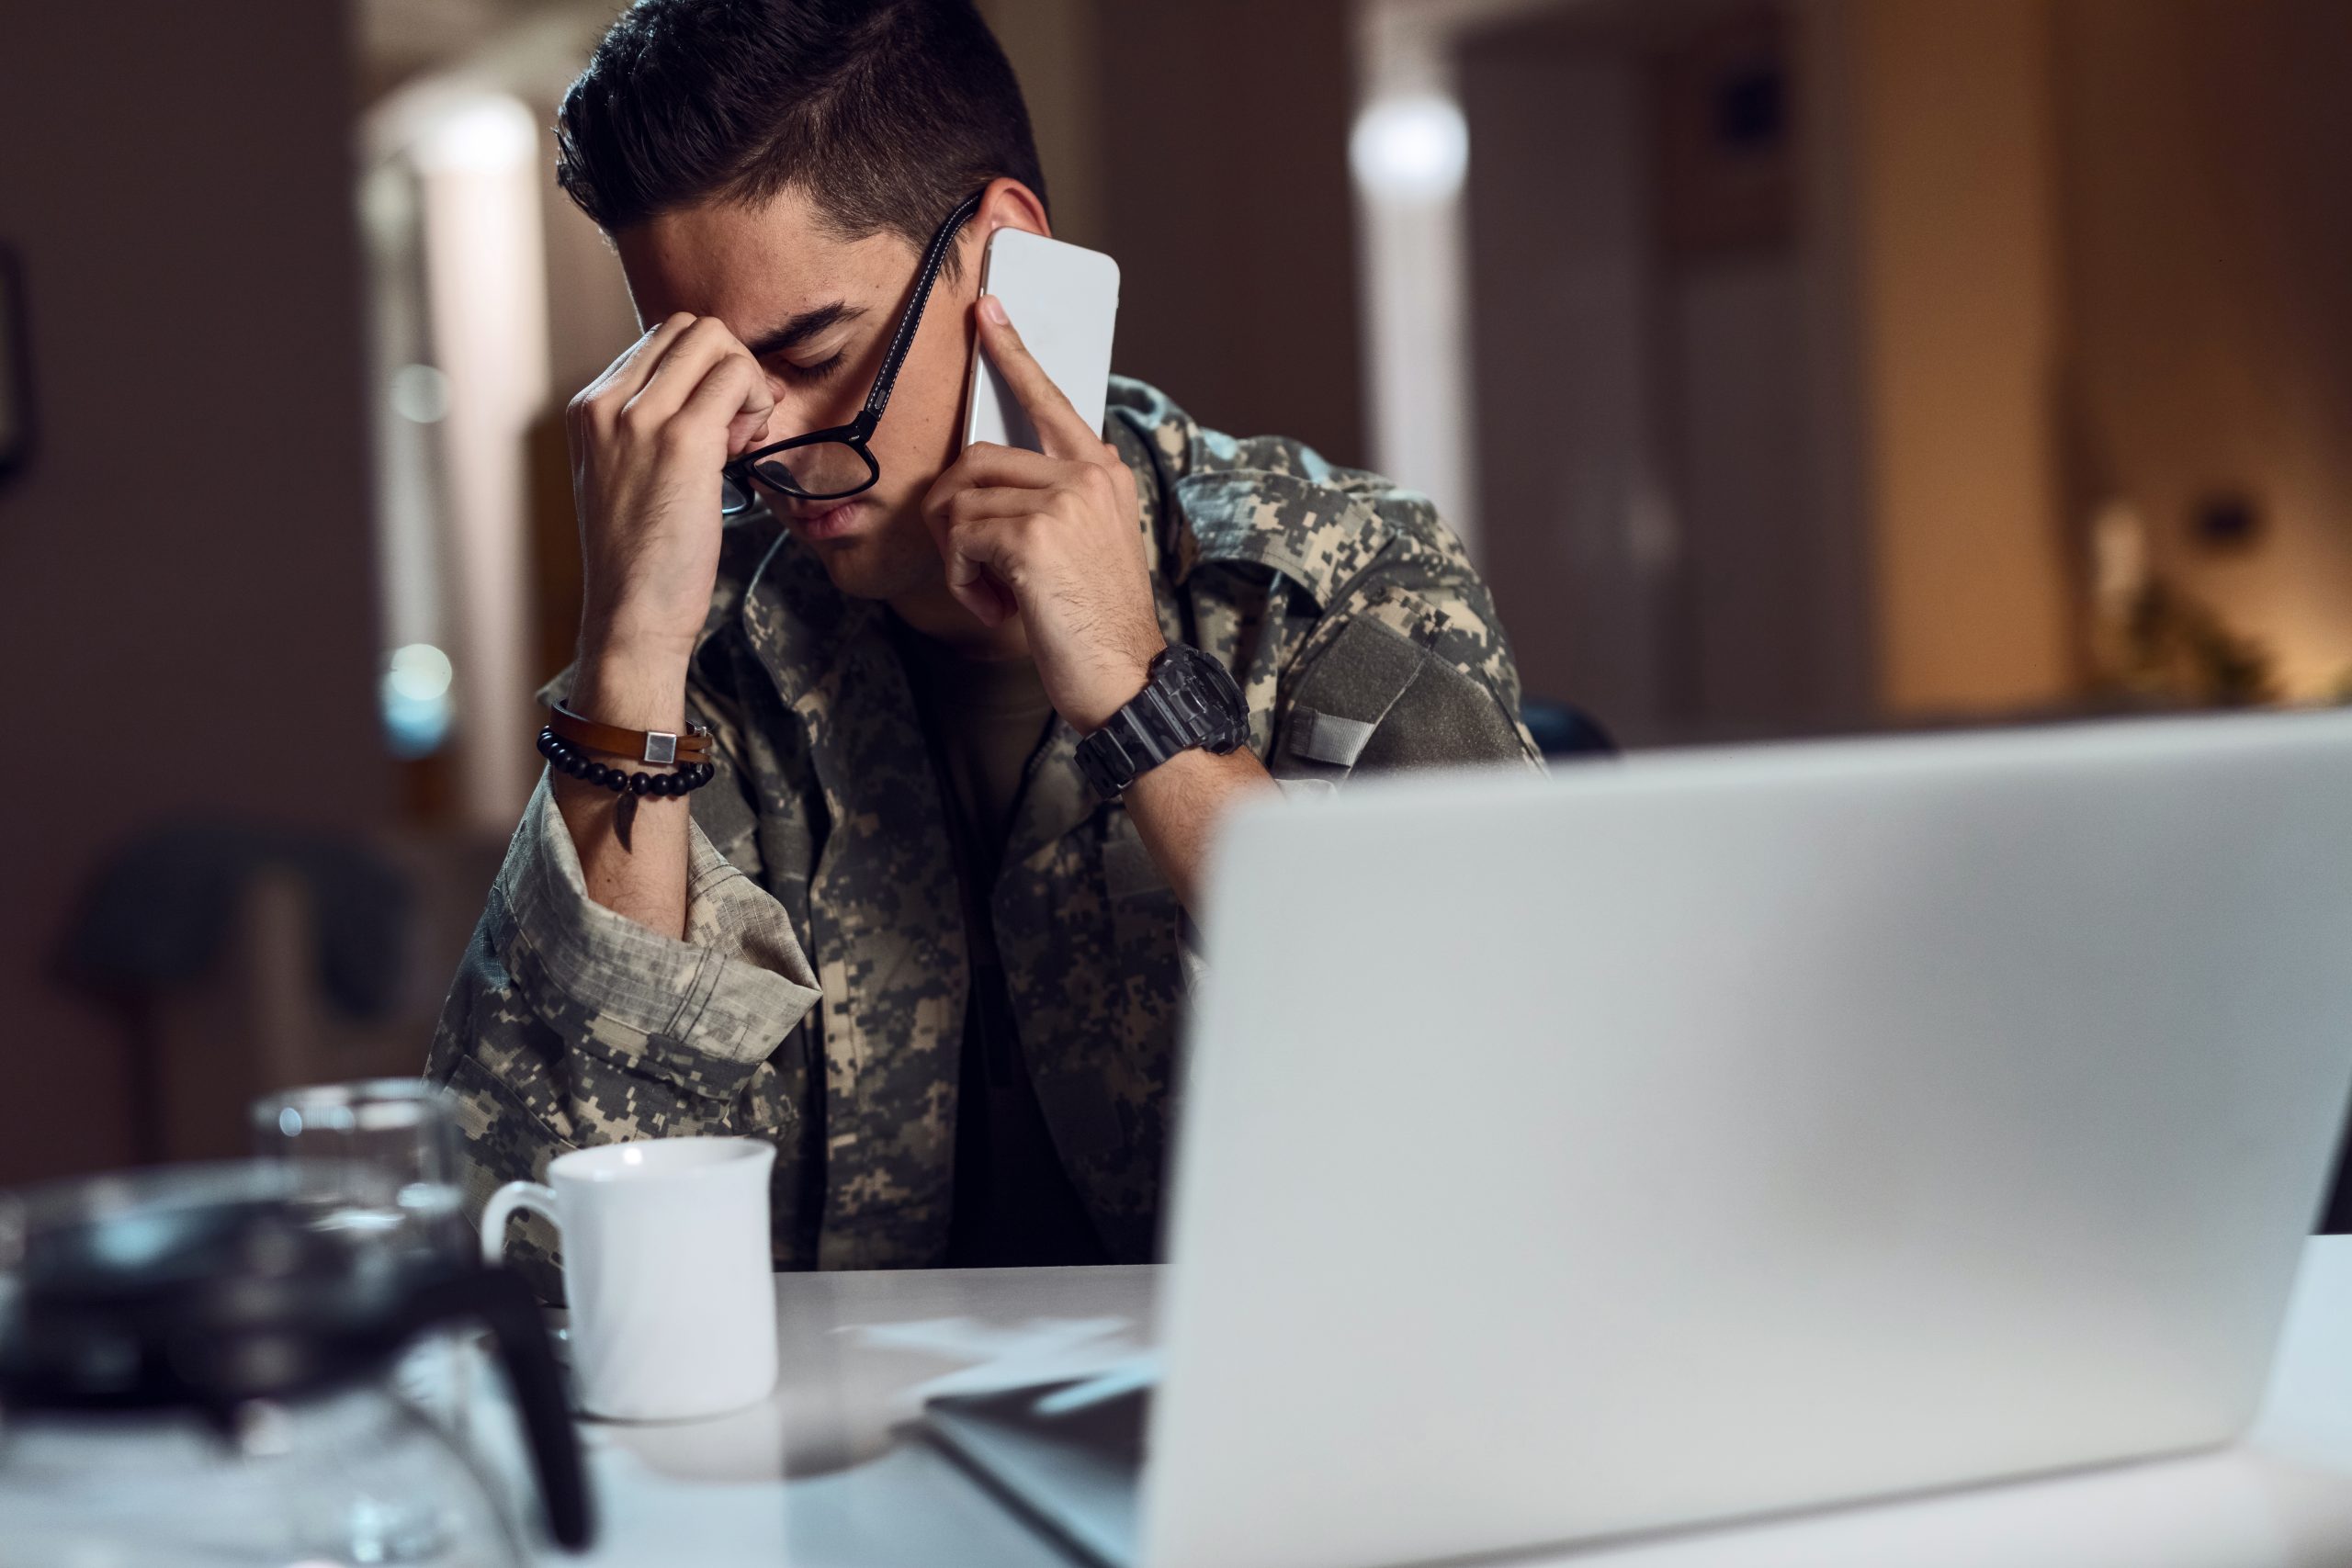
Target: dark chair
pixel 158 918
pixel 1564 732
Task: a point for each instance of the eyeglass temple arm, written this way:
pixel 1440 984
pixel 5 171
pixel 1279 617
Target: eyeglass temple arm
pixel 933 258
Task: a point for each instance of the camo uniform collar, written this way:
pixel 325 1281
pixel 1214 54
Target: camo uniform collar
pixel 1212 500
pixel 800 623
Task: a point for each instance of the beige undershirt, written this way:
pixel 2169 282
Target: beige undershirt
pixel 990 715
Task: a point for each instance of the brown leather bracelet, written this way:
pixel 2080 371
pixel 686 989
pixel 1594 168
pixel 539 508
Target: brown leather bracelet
pixel 636 745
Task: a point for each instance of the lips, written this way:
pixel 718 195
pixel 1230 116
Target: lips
pixel 827 521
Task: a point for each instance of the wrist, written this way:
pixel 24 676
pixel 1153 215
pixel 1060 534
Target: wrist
pixel 635 687
pixel 632 628
pixel 1118 683
pixel 1193 702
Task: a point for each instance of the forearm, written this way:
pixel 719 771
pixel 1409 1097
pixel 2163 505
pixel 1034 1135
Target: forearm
pixel 571 1024
pixel 1176 806
pixel 633 849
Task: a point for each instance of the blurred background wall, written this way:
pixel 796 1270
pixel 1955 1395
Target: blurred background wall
pixel 1791 366
pixel 186 598
pixel 2205 221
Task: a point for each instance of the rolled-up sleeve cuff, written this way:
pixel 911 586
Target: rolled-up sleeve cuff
pixel 731 991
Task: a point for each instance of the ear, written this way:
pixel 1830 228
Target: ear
pixel 1006 204
pixel 1013 205
pixel 1009 204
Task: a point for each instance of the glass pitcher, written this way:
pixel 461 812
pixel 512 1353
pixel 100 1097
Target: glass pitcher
pixel 195 1370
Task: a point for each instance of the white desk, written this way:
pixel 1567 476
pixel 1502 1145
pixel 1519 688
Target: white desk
pixel 820 1477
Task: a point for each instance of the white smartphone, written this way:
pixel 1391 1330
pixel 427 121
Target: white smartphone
pixel 1064 302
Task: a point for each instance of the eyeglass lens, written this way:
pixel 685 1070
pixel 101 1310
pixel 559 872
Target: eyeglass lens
pixel 818 472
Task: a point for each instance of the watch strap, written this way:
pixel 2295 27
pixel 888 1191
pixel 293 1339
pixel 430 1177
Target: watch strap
pixel 1188 700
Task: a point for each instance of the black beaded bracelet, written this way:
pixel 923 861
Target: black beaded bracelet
pixel 566 758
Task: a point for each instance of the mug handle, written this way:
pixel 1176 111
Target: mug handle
pixel 501 1208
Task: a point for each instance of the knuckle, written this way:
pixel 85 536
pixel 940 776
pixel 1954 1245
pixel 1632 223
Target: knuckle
pixel 598 414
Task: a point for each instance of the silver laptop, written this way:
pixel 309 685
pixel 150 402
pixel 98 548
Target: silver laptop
pixel 1720 1133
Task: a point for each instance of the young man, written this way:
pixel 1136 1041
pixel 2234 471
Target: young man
pixel 923 926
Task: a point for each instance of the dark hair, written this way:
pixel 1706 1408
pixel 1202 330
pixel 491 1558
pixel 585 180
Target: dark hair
pixel 885 112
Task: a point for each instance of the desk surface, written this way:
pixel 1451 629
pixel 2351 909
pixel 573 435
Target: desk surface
pixel 825 1476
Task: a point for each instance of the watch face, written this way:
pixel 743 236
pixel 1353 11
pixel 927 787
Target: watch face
pixel 1221 700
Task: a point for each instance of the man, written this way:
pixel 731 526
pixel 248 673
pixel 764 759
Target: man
pixel 918 928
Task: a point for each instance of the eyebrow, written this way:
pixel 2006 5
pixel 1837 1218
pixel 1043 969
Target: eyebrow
pixel 802 327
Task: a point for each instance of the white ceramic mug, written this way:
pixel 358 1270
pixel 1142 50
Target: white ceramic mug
pixel 667 1266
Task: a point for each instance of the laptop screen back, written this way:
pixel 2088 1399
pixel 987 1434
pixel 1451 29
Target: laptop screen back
pixel 1702 1135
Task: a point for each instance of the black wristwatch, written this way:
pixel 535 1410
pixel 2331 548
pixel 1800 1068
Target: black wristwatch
pixel 1187 700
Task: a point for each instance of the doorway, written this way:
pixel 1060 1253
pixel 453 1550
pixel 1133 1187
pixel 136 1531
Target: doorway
pixel 1654 360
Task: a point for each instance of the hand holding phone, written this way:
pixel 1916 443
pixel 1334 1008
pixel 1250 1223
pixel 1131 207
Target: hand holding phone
pixel 1053 535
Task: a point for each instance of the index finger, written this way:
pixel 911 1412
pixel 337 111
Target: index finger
pixel 748 422
pixel 1058 424
pixel 634 365
pixel 691 364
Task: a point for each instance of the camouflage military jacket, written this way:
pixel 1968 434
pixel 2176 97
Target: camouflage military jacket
pixel 818 998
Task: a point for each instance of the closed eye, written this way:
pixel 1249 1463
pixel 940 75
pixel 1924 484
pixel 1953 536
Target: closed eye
pixel 809 374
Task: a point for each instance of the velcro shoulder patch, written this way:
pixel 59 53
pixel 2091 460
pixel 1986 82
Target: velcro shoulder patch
pixel 1327 737
pixel 1341 701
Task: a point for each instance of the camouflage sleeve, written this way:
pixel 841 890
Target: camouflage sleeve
pixel 569 1024
pixel 1407 666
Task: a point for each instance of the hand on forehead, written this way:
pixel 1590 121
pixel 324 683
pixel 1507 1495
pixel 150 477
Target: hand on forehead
pixel 761 268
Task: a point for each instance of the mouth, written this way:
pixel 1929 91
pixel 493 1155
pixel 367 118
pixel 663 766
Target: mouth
pixel 819 519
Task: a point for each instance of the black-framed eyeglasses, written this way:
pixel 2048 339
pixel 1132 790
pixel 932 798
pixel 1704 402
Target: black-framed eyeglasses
pixel 831 465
